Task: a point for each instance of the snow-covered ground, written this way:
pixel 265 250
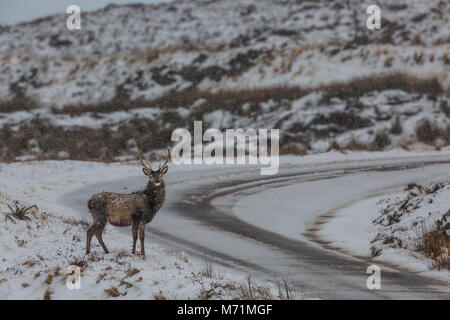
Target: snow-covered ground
pixel 345 206
pixel 389 228
pixel 36 253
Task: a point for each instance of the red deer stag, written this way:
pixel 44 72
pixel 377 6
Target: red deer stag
pixel 122 210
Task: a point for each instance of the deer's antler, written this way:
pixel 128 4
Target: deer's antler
pixel 142 162
pixel 162 166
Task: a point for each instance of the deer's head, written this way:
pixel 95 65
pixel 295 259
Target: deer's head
pixel 155 176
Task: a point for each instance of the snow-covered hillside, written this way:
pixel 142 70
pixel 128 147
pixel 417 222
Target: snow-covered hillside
pixel 309 68
pixel 143 51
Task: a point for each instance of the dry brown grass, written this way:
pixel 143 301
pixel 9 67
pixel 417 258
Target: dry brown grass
pixel 397 127
pixel 293 149
pixel 47 294
pixel 381 141
pixel 159 296
pixel 354 145
pixel 232 100
pixel 18 104
pixel 84 143
pixel 350 145
pixel 112 292
pixel 401 81
pixel 427 131
pixel 49 279
pixel 434 242
pixel 247 289
pixel 30 263
pixel 131 272
pixel 105 144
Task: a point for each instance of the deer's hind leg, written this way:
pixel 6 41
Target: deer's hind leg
pixel 134 229
pixel 89 234
pixel 99 233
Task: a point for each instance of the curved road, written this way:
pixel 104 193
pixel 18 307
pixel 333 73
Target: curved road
pixel 198 218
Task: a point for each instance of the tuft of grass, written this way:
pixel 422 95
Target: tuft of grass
pixel 397 128
pixel 101 277
pixel 375 252
pixel 207 268
pixel 20 213
pixel 79 262
pixel 293 149
pixel 132 272
pixel 381 141
pixel 29 263
pixel 334 145
pixel 401 81
pixel 434 242
pixel 49 279
pixel 22 103
pixel 354 145
pixel 159 296
pixel 48 294
pixel 57 271
pixel 427 131
pixel 445 108
pixel 248 290
pixel 112 292
pixel 286 291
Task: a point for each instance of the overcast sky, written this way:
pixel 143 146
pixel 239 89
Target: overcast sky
pixel 15 11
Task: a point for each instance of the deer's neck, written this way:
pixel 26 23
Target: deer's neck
pixel 156 195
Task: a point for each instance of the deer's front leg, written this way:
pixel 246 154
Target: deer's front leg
pixel 134 229
pixel 141 237
pixel 89 235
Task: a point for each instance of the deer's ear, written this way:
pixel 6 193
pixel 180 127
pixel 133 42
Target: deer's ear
pixel 146 171
pixel 164 170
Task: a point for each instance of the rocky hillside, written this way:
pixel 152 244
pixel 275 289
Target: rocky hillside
pixel 143 51
pixel 311 68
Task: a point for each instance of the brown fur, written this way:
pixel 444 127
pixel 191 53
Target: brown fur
pixel 122 210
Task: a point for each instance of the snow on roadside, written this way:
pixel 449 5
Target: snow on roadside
pixel 36 253
pixel 389 228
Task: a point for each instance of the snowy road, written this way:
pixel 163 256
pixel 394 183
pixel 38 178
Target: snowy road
pixel 251 223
